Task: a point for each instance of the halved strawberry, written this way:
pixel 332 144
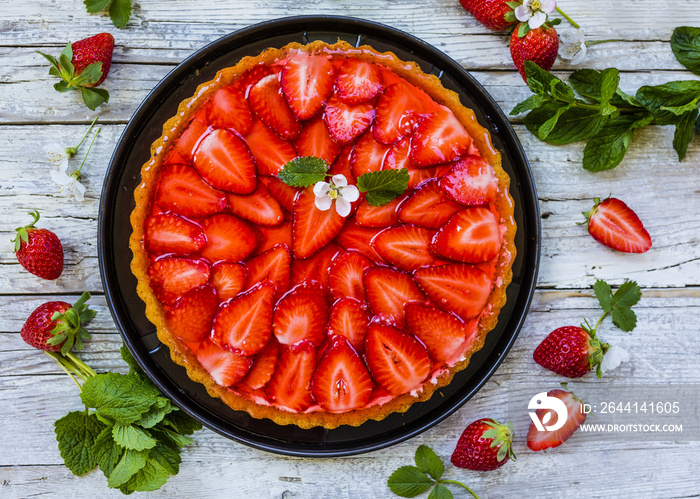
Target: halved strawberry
pixel 406 247
pixel 612 223
pixel 243 325
pixel 398 113
pixel 439 138
pixel 186 144
pixel 388 291
pixel 270 151
pixel 368 155
pixel 261 207
pixel 224 161
pixel 428 206
pixel 316 267
pixel 249 78
pixel 399 155
pixel 272 236
pixel 172 277
pixel 471 181
pixel 346 274
pixel 228 108
pixel 271 266
pixel 443 334
pixel 268 103
pixel 315 140
pixel 312 228
pixel 290 385
pixel 281 192
pixel 191 316
pixel 182 191
pixel 228 238
pixel 417 176
pixel 458 287
pixel 358 81
pixel 307 82
pixel 397 361
pixel 379 216
pixel 357 238
pixel 172 234
pixel 263 366
pixel 349 319
pixel 302 314
pixel 346 123
pixel 575 417
pixel 226 368
pixel 341 381
pixel 472 235
pixel 343 164
pixel 228 279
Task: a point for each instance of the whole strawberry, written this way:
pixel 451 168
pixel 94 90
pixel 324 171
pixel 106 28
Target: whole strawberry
pixel 570 351
pixel 39 250
pixel 612 223
pixel 91 50
pixel 56 326
pixel 484 445
pixel 490 13
pixel 539 45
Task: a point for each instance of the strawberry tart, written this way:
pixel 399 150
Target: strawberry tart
pixel 323 235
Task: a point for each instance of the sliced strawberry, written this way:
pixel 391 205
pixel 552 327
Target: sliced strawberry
pixel 356 238
pixel 191 316
pixel 397 361
pixel 228 108
pixel 263 366
pixel 186 144
pixel 271 266
pixel 341 381
pixel 307 82
pixel 349 319
pixel 575 417
pixel 270 151
pixel 368 155
pixel 379 216
pixel 228 238
pixel 302 314
pixel 243 325
pixel 444 335
pixel 417 176
pixel 172 234
pixel 174 157
pixel 388 291
pixel 346 274
pixel 471 181
pixel 612 223
pixel 312 228
pixel 271 107
pixel 346 123
pixel 290 386
pixel 406 247
pixel 228 279
pixel 428 206
pixel 261 207
pixel 224 161
pixel 281 192
pixel 459 288
pixel 182 191
pixel 316 267
pixel 249 78
pixel 472 235
pixel 358 81
pixel 225 368
pixel 440 138
pixel 343 164
pixel 398 113
pixel 399 155
pixel 315 140
pixel 172 277
pixel 272 236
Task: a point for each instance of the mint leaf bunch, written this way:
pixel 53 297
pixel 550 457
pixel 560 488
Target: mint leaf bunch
pixel 411 481
pixel 119 10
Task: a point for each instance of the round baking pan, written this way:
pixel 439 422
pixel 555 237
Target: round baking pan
pixel 117 203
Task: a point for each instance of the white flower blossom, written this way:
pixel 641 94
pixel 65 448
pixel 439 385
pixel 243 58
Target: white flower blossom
pixel 613 358
pixel 69 185
pixel 337 190
pixel 58 155
pixel 534 12
pixel 572 45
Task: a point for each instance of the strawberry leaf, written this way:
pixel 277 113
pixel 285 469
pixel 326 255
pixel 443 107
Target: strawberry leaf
pixel 91 74
pixel 61 86
pixel 93 97
pixel 408 481
pixel 96 5
pixel 624 318
pixel 303 171
pixel 383 186
pixel 428 462
pixel 440 492
pixel 603 292
pixel 120 12
pixel 627 295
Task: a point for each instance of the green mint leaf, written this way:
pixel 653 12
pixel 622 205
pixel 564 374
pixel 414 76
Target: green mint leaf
pixel 573 125
pixel 96 5
pixel 167 454
pixel 528 104
pixel 674 94
pixel 684 133
pixel 624 318
pixel 76 433
pixel 156 413
pixel 603 292
pixel 627 295
pixel 681 110
pixel 546 128
pixel 179 440
pixel 122 398
pixel 149 478
pixel 130 462
pixel 685 44
pixel 621 99
pixel 120 12
pixel 697 125
pixel 609 81
pixel 93 97
pixel 130 361
pixel 608 147
pixel 383 186
pixel 429 462
pixel 303 171
pixel 408 481
pixel 181 423
pixel 538 79
pixel 132 437
pixel 107 452
pixel 89 75
pixel 561 91
pixel 587 83
pixel 440 492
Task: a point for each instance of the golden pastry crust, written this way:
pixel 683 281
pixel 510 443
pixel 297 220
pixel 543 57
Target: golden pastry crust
pixel 145 191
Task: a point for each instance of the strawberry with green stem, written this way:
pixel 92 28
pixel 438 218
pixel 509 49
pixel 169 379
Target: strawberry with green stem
pixel 39 251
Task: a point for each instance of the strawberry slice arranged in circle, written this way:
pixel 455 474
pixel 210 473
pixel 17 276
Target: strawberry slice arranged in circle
pixel 283 193
pixel 398 113
pixel 389 290
pixel 302 314
pixel 368 155
pixel 225 368
pixel 244 325
pixel 439 138
pixel 312 228
pixel 460 288
pixel 358 81
pixel 379 216
pixel 397 361
pixel 260 207
pixel 346 273
pixel 228 279
pixel 229 109
pixel 343 164
pixel 181 190
pixel 268 104
pixel 271 266
pixel 316 267
pixel 270 151
pixel 471 181
pixel 228 238
pixel 172 277
pixel 406 247
pixel 428 206
pixel 263 366
pixel 354 237
pixel 172 234
pixel 224 161
pixel 472 235
pixel 307 82
pixel 348 318
pixel 345 123
pixel 341 381
pixel 443 334
pixel 190 318
pixel 416 176
pixel 186 144
pixel 290 385
pixel 315 140
pixel 575 417
pixel 272 236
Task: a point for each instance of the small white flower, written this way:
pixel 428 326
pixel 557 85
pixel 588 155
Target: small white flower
pixel 58 155
pixel 337 190
pixel 572 46
pixel 69 185
pixel 534 12
pixel 613 358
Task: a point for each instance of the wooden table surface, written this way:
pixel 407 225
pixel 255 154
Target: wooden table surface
pixel 161 33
